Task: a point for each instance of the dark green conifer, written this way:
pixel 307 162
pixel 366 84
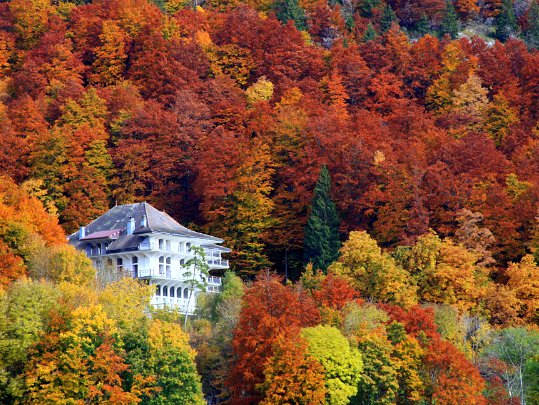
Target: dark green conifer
pixel 321 245
pixel 450 22
pixel 423 26
pixel 291 10
pixel 531 35
pixel 506 22
pixel 388 17
pixel 370 33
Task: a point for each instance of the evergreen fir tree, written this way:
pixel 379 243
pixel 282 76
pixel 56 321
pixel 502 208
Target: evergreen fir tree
pixel 291 10
pixel 321 246
pixel 450 22
pixel 531 34
pixel 506 22
pixel 388 17
pixel 370 33
pixel 423 26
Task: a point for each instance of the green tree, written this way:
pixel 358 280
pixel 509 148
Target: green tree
pixel 388 18
pixel 25 311
pixel 342 362
pixel 291 10
pixel 370 33
pixel 197 271
pixel 422 27
pixel 171 361
pixel 506 22
pixel 212 331
pixel 450 22
pixel 378 384
pixel 321 245
pixel 515 347
pixel 374 273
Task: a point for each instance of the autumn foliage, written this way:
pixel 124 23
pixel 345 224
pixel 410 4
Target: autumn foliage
pixel 225 114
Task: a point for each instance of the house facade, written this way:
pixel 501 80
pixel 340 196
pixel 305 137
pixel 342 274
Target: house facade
pixel 150 245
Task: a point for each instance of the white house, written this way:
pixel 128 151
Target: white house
pixel 152 246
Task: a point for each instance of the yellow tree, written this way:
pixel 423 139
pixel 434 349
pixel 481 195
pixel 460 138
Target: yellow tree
pixel 445 273
pixel 262 90
pixel 454 61
pixel 293 376
pixel 31 17
pixel 109 66
pixel 374 273
pixel 498 118
pixel 524 282
pixel 250 216
pixel 470 101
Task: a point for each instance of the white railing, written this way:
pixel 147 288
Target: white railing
pixel 179 303
pixel 217 262
pixel 145 273
pixel 214 280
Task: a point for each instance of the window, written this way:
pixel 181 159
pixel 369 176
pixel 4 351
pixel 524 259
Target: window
pixel 188 245
pixel 180 247
pixel 119 262
pixel 171 294
pixel 182 262
pixel 168 265
pixel 161 265
pixel 165 291
pixel 134 262
pixel 186 293
pixel 158 290
pixel 167 243
pixel 161 244
pixel 99 248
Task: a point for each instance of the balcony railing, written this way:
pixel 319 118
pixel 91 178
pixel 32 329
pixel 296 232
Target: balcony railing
pixel 143 273
pixel 214 280
pixel 217 262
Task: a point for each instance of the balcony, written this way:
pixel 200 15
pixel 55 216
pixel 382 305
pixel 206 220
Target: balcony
pixel 214 280
pixel 174 275
pixel 214 262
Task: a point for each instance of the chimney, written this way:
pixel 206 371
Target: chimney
pixel 143 222
pixel 130 225
pixel 82 232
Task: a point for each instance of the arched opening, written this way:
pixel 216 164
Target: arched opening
pixel 158 290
